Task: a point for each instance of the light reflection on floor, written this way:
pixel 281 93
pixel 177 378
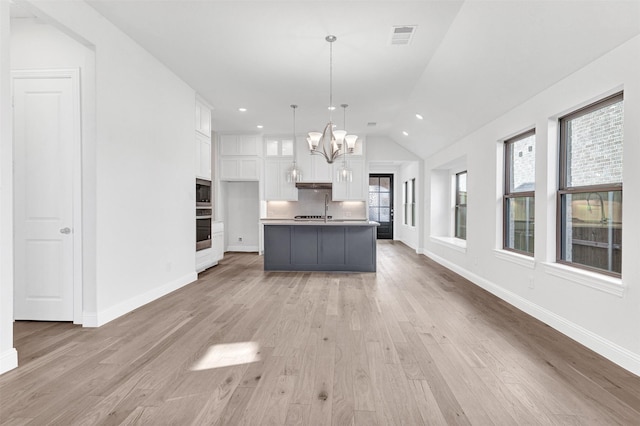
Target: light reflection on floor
pixel 228 354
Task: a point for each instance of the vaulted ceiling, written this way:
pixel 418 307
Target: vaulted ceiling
pixel 468 62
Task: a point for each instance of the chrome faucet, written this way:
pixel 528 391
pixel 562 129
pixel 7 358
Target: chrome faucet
pixel 326 207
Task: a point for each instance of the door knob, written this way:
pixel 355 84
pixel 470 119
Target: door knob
pixel 65 230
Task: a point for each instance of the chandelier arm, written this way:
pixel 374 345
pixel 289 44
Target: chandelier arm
pixel 327 155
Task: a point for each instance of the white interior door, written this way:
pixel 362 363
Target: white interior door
pixel 45 132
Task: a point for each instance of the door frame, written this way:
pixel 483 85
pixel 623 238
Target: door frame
pixel 76 146
pixel 392 198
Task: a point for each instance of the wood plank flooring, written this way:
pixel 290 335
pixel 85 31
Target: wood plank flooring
pixel 412 344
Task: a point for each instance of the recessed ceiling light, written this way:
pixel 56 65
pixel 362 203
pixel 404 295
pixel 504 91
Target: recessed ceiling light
pixel 242 109
pixel 404 132
pixel 259 126
pixel 419 117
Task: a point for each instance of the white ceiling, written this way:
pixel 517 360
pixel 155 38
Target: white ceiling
pixel 469 62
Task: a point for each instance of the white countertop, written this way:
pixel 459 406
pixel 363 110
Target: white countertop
pixel 319 222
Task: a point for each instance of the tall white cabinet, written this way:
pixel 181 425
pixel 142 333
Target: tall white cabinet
pixel 203 141
pixel 203 170
pixel 277 163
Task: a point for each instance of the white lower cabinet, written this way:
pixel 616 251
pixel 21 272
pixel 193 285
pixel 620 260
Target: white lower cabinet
pixel 211 256
pixel 356 190
pixel 217 243
pixel 276 187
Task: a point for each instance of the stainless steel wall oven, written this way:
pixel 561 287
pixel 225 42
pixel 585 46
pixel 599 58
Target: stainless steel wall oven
pixel 204 214
pixel 203 228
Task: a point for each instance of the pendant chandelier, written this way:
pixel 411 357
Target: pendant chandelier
pixel 330 143
pixel 294 174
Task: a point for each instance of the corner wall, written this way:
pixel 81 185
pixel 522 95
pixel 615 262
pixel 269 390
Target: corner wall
pixel 143 175
pixel 8 354
pixel 601 313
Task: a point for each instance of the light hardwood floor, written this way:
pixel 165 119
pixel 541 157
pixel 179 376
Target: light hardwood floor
pixel 412 344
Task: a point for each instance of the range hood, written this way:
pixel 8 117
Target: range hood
pixel 313 185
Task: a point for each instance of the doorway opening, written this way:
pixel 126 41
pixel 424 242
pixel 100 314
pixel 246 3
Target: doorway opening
pixel 381 203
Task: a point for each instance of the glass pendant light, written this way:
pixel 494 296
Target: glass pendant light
pixel 294 174
pixel 344 173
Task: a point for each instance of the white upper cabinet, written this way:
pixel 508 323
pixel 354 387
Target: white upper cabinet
pixel 203 156
pixel 203 119
pixel 203 141
pixel 276 186
pixel 274 147
pixel 240 157
pixel 239 168
pixel 314 167
pixel 243 145
pixel 356 190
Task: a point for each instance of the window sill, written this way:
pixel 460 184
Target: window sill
pixel 594 280
pixel 517 258
pixel 453 243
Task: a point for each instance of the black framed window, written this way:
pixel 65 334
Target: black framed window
pixel 590 187
pixel 461 206
pixel 519 193
pixel 405 201
pixel 413 201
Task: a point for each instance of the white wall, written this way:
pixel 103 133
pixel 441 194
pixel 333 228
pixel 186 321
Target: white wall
pixel 408 234
pixel 385 155
pixel 144 167
pixel 600 312
pixel 384 149
pixel 242 216
pixel 38 45
pixel 8 355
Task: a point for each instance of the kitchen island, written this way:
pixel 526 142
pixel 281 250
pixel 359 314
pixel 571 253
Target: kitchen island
pixel 316 245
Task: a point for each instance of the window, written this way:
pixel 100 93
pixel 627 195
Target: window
pixel 590 194
pixel 413 202
pixel 519 193
pixel 405 201
pixel 461 206
pixel 409 195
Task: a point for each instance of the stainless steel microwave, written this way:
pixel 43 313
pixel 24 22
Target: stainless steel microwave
pixel 203 193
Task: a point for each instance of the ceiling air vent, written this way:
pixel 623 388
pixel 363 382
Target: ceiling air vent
pixel 402 34
pixel 371 124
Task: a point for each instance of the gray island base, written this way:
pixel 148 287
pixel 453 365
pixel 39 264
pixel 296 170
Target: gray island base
pixel 320 246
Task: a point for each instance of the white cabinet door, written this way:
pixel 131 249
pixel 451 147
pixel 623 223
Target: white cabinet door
pixel 314 167
pixel 356 189
pixel 203 156
pixel 239 168
pixel 249 145
pixel 217 244
pixel 245 145
pixel 276 186
pixel 229 145
pixel 203 119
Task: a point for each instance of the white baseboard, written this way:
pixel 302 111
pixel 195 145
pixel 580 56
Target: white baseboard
pixel 109 314
pixel 8 360
pixel 242 248
pixel 89 319
pixel 612 351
